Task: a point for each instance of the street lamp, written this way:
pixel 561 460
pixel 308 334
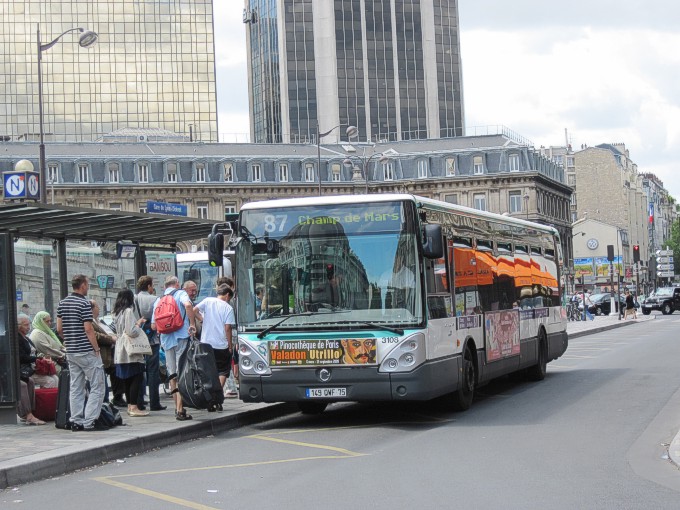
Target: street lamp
pixel 351 132
pixel 86 39
pixel 365 162
pixel 526 204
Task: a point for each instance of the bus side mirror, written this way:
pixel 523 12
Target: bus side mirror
pixel 433 247
pixel 215 249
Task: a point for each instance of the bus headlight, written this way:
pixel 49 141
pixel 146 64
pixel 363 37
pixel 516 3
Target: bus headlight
pixel 406 355
pixel 253 359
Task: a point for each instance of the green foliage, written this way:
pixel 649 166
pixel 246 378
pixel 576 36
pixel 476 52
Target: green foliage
pixel 674 241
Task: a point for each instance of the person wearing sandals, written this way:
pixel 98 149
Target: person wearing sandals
pixel 175 343
pixel 28 356
pixel 129 367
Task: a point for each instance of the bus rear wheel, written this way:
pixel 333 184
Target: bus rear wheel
pixel 463 396
pixel 538 371
pixel 312 407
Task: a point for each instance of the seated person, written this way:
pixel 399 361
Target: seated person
pixel 46 341
pixel 28 356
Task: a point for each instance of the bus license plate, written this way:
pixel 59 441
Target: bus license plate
pixel 326 392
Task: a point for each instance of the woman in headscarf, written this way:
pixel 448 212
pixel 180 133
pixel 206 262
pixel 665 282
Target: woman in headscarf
pixel 129 367
pixel 46 341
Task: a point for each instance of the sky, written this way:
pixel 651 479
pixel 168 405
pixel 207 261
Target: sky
pixel 586 72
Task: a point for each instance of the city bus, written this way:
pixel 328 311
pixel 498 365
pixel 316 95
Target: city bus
pixel 194 266
pixel 391 297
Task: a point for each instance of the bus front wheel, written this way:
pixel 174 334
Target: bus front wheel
pixel 462 397
pixel 312 407
pixel 538 371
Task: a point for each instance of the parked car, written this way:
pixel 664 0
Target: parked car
pixel 602 304
pixel 665 299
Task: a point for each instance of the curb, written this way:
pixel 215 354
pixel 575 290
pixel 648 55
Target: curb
pixel 39 466
pixel 600 329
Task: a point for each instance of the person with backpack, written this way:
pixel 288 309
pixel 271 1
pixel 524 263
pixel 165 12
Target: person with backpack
pixel 174 319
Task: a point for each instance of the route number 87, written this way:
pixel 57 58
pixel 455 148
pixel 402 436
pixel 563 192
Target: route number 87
pixel 275 223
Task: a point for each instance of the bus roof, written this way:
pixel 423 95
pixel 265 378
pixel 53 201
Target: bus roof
pixel 394 197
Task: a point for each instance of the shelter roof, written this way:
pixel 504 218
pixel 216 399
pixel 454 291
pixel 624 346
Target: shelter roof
pixel 76 223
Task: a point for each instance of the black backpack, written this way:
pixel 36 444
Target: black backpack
pixel 109 416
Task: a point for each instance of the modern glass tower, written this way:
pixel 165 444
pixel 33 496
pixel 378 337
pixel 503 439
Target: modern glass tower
pixel 390 67
pixel 152 67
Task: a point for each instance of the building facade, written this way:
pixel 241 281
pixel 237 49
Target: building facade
pixel 391 68
pixel 492 173
pixel 153 67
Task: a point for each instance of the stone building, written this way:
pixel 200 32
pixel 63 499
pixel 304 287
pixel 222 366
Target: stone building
pixel 500 173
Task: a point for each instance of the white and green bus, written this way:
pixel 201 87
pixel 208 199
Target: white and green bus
pixel 391 297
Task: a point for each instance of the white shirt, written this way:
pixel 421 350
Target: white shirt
pixel 216 313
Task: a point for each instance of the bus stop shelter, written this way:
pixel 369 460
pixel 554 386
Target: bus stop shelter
pixel 61 224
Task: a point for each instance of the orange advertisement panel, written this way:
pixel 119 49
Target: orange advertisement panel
pixel 465 274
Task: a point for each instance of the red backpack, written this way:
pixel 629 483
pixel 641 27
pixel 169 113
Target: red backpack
pixel 167 316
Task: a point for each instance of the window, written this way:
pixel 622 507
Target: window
pixel 570 161
pixel 451 199
pixel 200 172
pixel 335 172
pixel 116 207
pixel 573 199
pixel 388 171
pixel 53 173
pixel 309 172
pixel 450 167
pixel 171 170
pixel 479 201
pixel 283 172
pixel 83 172
pixel 422 169
pixel 559 159
pixel 114 170
pixel 202 210
pixel 142 208
pixel 228 169
pixel 515 200
pixel 571 179
pixel 229 209
pixel 143 172
pixel 477 165
pixel 513 162
pixel 257 173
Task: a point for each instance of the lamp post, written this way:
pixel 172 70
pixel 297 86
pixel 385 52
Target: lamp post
pixel 526 204
pixel 365 162
pixel 351 131
pixel 86 39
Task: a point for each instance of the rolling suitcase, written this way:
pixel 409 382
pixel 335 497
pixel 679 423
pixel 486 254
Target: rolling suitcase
pixel 198 381
pixel 61 420
pixel 45 403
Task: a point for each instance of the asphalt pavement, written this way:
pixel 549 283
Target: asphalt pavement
pixel 32 453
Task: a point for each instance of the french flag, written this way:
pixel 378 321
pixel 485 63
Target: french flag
pixel 651 212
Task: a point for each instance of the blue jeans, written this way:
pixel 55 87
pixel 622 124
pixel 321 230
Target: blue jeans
pixel 84 368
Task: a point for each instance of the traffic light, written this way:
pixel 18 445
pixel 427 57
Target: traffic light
pixel 636 253
pixel 215 248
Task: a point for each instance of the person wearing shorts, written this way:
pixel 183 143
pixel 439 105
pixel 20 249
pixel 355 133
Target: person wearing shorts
pixel 218 317
pixel 175 343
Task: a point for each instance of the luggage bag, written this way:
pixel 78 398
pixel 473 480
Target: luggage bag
pixel 61 420
pixel 46 403
pixel 198 381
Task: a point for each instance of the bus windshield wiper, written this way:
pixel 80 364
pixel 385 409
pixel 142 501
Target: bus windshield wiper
pixel 263 333
pixel 397 331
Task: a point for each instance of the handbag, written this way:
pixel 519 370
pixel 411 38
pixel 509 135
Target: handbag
pixel 136 345
pixel 45 367
pixel 26 371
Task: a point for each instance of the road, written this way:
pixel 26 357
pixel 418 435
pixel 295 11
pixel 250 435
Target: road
pixel 591 435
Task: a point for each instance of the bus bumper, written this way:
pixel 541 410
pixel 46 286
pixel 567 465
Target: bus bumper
pixel 430 380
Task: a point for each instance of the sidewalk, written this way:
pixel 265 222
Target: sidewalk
pixel 31 453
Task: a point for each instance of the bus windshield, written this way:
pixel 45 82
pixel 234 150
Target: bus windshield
pixel 344 264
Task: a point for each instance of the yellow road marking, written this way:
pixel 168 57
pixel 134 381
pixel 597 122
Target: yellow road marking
pixel 154 494
pixel 345 452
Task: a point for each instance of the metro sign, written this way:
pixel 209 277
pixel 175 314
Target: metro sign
pixel 21 185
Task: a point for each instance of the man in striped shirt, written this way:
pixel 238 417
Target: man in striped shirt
pixel 74 324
